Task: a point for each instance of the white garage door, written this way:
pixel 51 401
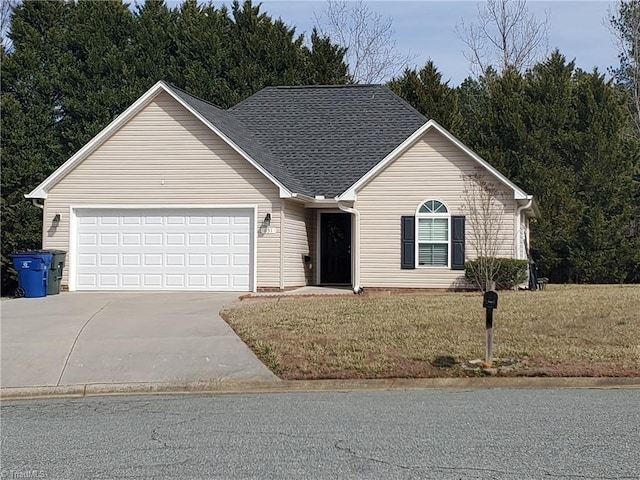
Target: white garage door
pixel 168 249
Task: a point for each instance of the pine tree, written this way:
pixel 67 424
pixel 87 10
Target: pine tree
pixel 31 108
pixel 425 91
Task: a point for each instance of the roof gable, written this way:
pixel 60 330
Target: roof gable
pixel 328 137
pixel 214 113
pixel 351 192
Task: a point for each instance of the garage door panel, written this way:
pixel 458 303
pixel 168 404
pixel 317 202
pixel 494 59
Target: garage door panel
pixel 131 260
pixel 89 239
pixel 109 239
pixel 220 239
pixel 108 260
pixel 131 239
pixel 152 259
pixel 88 260
pixel 197 220
pixel 220 220
pixel 132 220
pixel 108 220
pixel 197 260
pixel 152 280
pixel 175 220
pixel 108 280
pixel 241 260
pixel 171 249
pixel 219 260
pixel 131 280
pixel 88 280
pixel 174 259
pixel 239 280
pixel 198 281
pixel 152 239
pixel 197 239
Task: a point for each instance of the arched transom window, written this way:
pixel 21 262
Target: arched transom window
pixel 433 224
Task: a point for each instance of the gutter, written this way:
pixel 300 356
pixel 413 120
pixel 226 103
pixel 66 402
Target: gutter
pixel 355 254
pixel 518 225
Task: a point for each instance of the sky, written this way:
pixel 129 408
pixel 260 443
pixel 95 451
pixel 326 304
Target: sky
pixel 427 29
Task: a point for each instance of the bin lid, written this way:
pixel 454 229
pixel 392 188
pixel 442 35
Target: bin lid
pixel 33 254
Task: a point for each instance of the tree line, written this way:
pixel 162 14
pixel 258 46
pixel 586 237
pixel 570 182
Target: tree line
pixel 562 134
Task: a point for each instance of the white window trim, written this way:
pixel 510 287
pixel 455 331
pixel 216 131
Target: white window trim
pixel 420 215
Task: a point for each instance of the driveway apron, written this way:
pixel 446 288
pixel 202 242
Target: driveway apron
pixel 122 337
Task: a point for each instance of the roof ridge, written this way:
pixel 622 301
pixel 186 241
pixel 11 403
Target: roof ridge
pixel 346 85
pixel 174 87
pixel 407 105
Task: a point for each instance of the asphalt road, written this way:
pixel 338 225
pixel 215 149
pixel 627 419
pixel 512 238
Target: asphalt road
pixel 441 434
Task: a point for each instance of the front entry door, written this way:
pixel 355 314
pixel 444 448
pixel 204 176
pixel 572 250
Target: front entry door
pixel 335 249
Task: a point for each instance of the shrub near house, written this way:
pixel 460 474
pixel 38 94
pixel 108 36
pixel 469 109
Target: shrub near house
pixel 510 272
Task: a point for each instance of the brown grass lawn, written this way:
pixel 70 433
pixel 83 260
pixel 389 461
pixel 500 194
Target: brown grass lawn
pixel 574 330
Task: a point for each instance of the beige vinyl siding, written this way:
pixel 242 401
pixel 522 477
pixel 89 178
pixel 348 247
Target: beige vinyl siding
pixel 166 156
pixel 431 169
pixel 298 233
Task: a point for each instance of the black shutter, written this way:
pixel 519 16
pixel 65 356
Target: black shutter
pixel 457 243
pixel 408 250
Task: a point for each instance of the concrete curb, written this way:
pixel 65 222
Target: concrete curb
pixel 222 387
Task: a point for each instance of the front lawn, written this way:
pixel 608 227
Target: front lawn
pixel 576 330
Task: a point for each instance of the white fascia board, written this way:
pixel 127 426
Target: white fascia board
pixel 41 190
pixel 351 193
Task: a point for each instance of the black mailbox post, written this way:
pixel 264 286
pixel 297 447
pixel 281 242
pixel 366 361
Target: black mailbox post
pixel 490 303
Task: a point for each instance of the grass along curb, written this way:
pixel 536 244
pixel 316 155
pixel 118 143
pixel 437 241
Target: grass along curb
pixel 563 331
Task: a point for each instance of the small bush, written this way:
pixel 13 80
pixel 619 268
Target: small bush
pixel 509 272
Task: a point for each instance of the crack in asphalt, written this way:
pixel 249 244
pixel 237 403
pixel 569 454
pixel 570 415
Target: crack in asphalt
pixel 155 438
pixel 75 341
pixel 371 459
pixel 155 433
pixel 353 453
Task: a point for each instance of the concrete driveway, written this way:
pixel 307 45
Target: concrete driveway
pixel 109 337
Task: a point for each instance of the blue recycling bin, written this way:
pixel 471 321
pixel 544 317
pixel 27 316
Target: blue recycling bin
pixel 33 271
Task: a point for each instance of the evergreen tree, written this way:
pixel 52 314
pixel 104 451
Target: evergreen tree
pixel 560 134
pixel 425 91
pixel 547 163
pixel 31 107
pixel 326 65
pixel 604 249
pixel 99 82
pixel 153 46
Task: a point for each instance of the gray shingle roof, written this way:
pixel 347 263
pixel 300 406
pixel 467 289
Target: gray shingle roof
pixel 316 140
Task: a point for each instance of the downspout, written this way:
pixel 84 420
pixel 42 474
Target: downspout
pixel 282 262
pixel 35 202
pixel 355 254
pixel 518 225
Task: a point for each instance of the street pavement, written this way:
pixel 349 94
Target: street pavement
pixel 453 434
pixel 114 338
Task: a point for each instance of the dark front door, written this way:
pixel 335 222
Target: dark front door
pixel 335 248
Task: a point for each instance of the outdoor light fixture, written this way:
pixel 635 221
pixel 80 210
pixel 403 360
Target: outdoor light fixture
pixel 56 220
pixel 267 219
